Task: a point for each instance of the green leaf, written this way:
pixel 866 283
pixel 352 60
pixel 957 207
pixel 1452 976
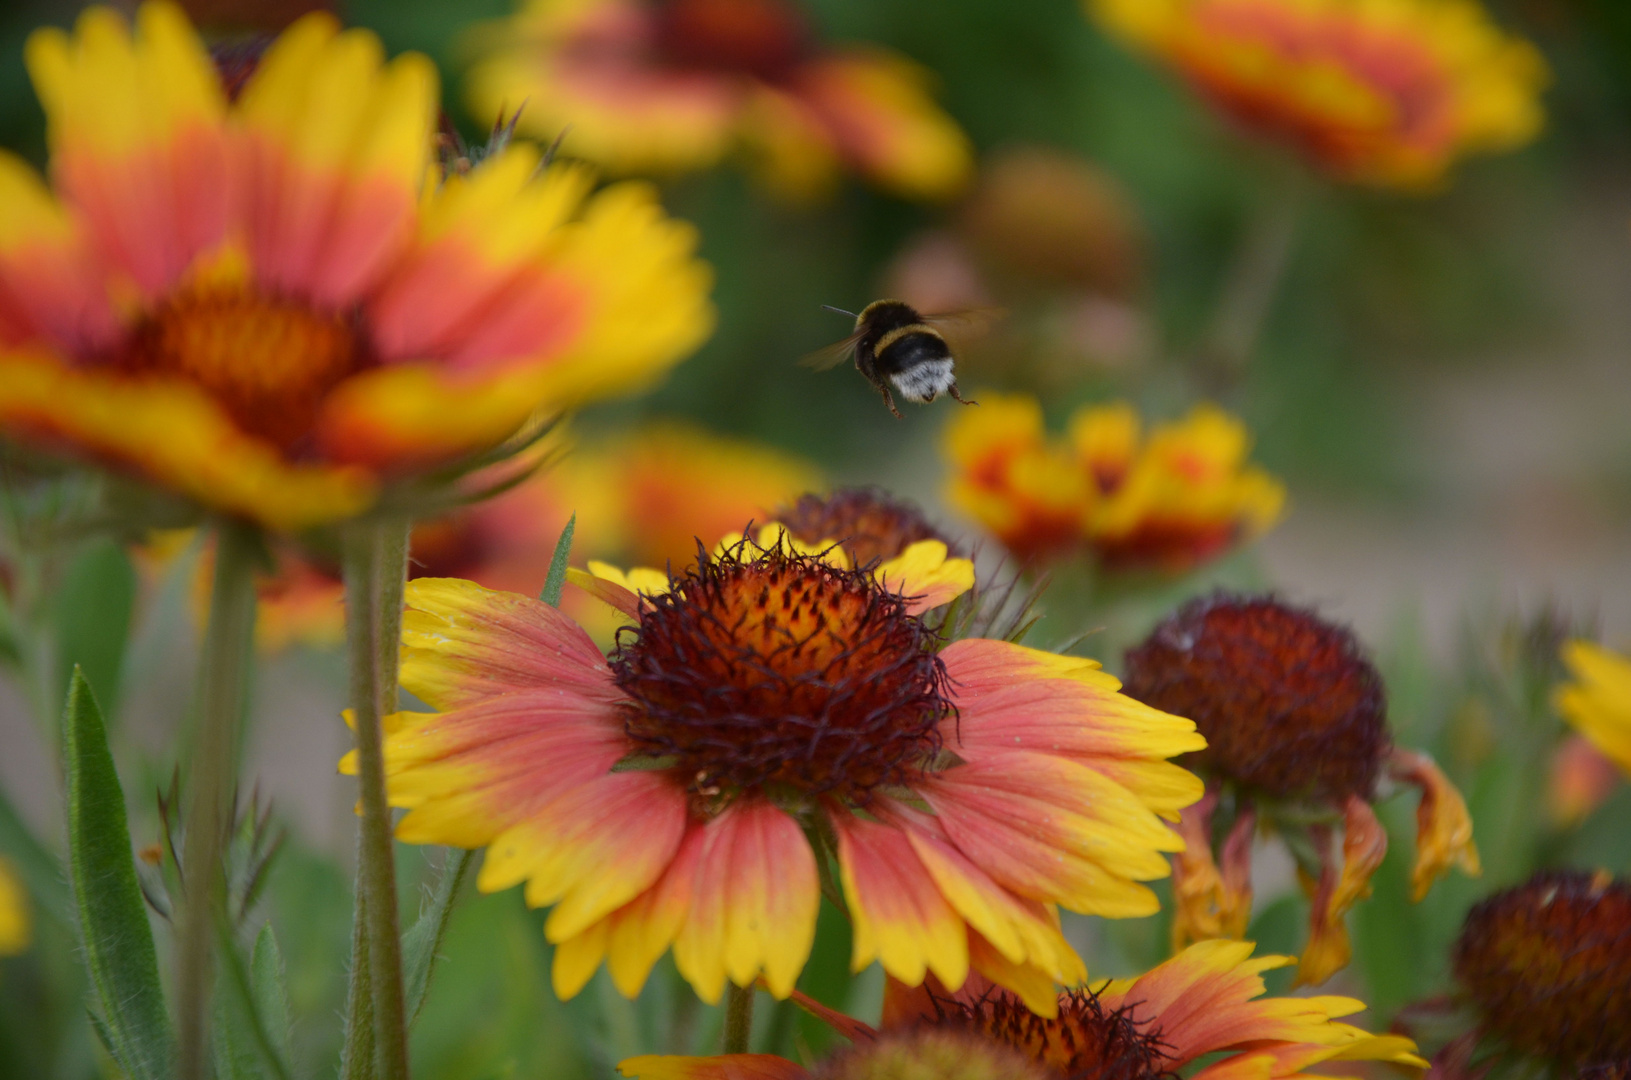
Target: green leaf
pixel 117 940
pixel 93 608
pixel 271 991
pixel 424 938
pixel 243 1039
pixel 555 583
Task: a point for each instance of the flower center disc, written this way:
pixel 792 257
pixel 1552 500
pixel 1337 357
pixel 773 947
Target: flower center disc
pixel 267 362
pixel 763 38
pixel 1086 1041
pixel 783 671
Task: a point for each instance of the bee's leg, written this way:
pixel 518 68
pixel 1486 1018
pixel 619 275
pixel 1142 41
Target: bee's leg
pixel 889 400
pixel 960 397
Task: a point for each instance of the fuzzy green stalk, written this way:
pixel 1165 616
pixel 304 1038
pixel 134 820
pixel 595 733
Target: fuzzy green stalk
pixel 376 564
pixel 223 692
pixel 738 1018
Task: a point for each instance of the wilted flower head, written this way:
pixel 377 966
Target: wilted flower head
pixel 1389 92
pixel 671 85
pixel 1169 501
pixel 1547 964
pixel 1295 718
pixel 268 305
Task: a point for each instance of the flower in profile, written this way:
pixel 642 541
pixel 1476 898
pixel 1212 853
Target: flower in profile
pixel 1295 721
pixel 1392 92
pixel 269 304
pixel 769 716
pixel 1598 702
pixel 16 926
pixel 1206 1002
pixel 1168 502
pixel 1547 967
pixel 675 85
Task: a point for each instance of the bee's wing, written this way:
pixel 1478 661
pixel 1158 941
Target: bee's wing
pixel 832 355
pixel 965 324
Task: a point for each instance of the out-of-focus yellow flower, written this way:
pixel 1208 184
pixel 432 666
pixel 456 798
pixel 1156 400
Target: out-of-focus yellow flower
pixel 264 300
pixel 1170 501
pixel 1179 498
pixel 16 925
pixel 1388 92
pixel 669 87
pixel 1598 702
pixel 642 496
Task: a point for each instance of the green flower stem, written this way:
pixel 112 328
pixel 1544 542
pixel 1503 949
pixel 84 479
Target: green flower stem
pixel 376 562
pixel 223 691
pixel 738 1018
pixel 1253 279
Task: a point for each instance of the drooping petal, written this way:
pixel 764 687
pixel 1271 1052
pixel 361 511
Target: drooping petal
pixel 1443 825
pixel 462 643
pixel 1211 902
pixel 753 910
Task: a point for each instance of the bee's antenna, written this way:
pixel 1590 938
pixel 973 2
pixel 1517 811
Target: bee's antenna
pixel 840 311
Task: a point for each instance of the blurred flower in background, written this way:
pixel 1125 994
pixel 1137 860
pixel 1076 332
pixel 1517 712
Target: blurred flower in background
pixel 1388 92
pixel 1205 1001
pixel 630 794
pixel 16 925
pixel 1295 720
pixel 642 495
pixel 1055 241
pixel 1168 502
pixel 666 86
pixel 255 303
pixel 1546 967
pixel 1598 702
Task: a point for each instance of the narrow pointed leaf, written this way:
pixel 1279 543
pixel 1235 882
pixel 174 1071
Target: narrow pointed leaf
pixel 555 583
pixel 117 940
pixel 243 1043
pixel 271 991
pixel 424 938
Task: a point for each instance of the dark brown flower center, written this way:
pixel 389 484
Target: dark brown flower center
pixel 268 362
pixel 1549 965
pixel 774 670
pixel 762 38
pixel 1288 703
pixel 867 524
pixel 1086 1041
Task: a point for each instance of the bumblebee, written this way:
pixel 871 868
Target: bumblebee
pixel 896 346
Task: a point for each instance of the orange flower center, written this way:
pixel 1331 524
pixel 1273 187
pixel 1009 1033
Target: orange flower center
pixel 1549 965
pixel 1085 1041
pixel 780 672
pixel 268 362
pixel 867 524
pixel 929 1052
pixel 1288 703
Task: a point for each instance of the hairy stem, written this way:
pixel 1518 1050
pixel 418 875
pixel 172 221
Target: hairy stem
pixel 376 555
pixel 223 690
pixel 738 1018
